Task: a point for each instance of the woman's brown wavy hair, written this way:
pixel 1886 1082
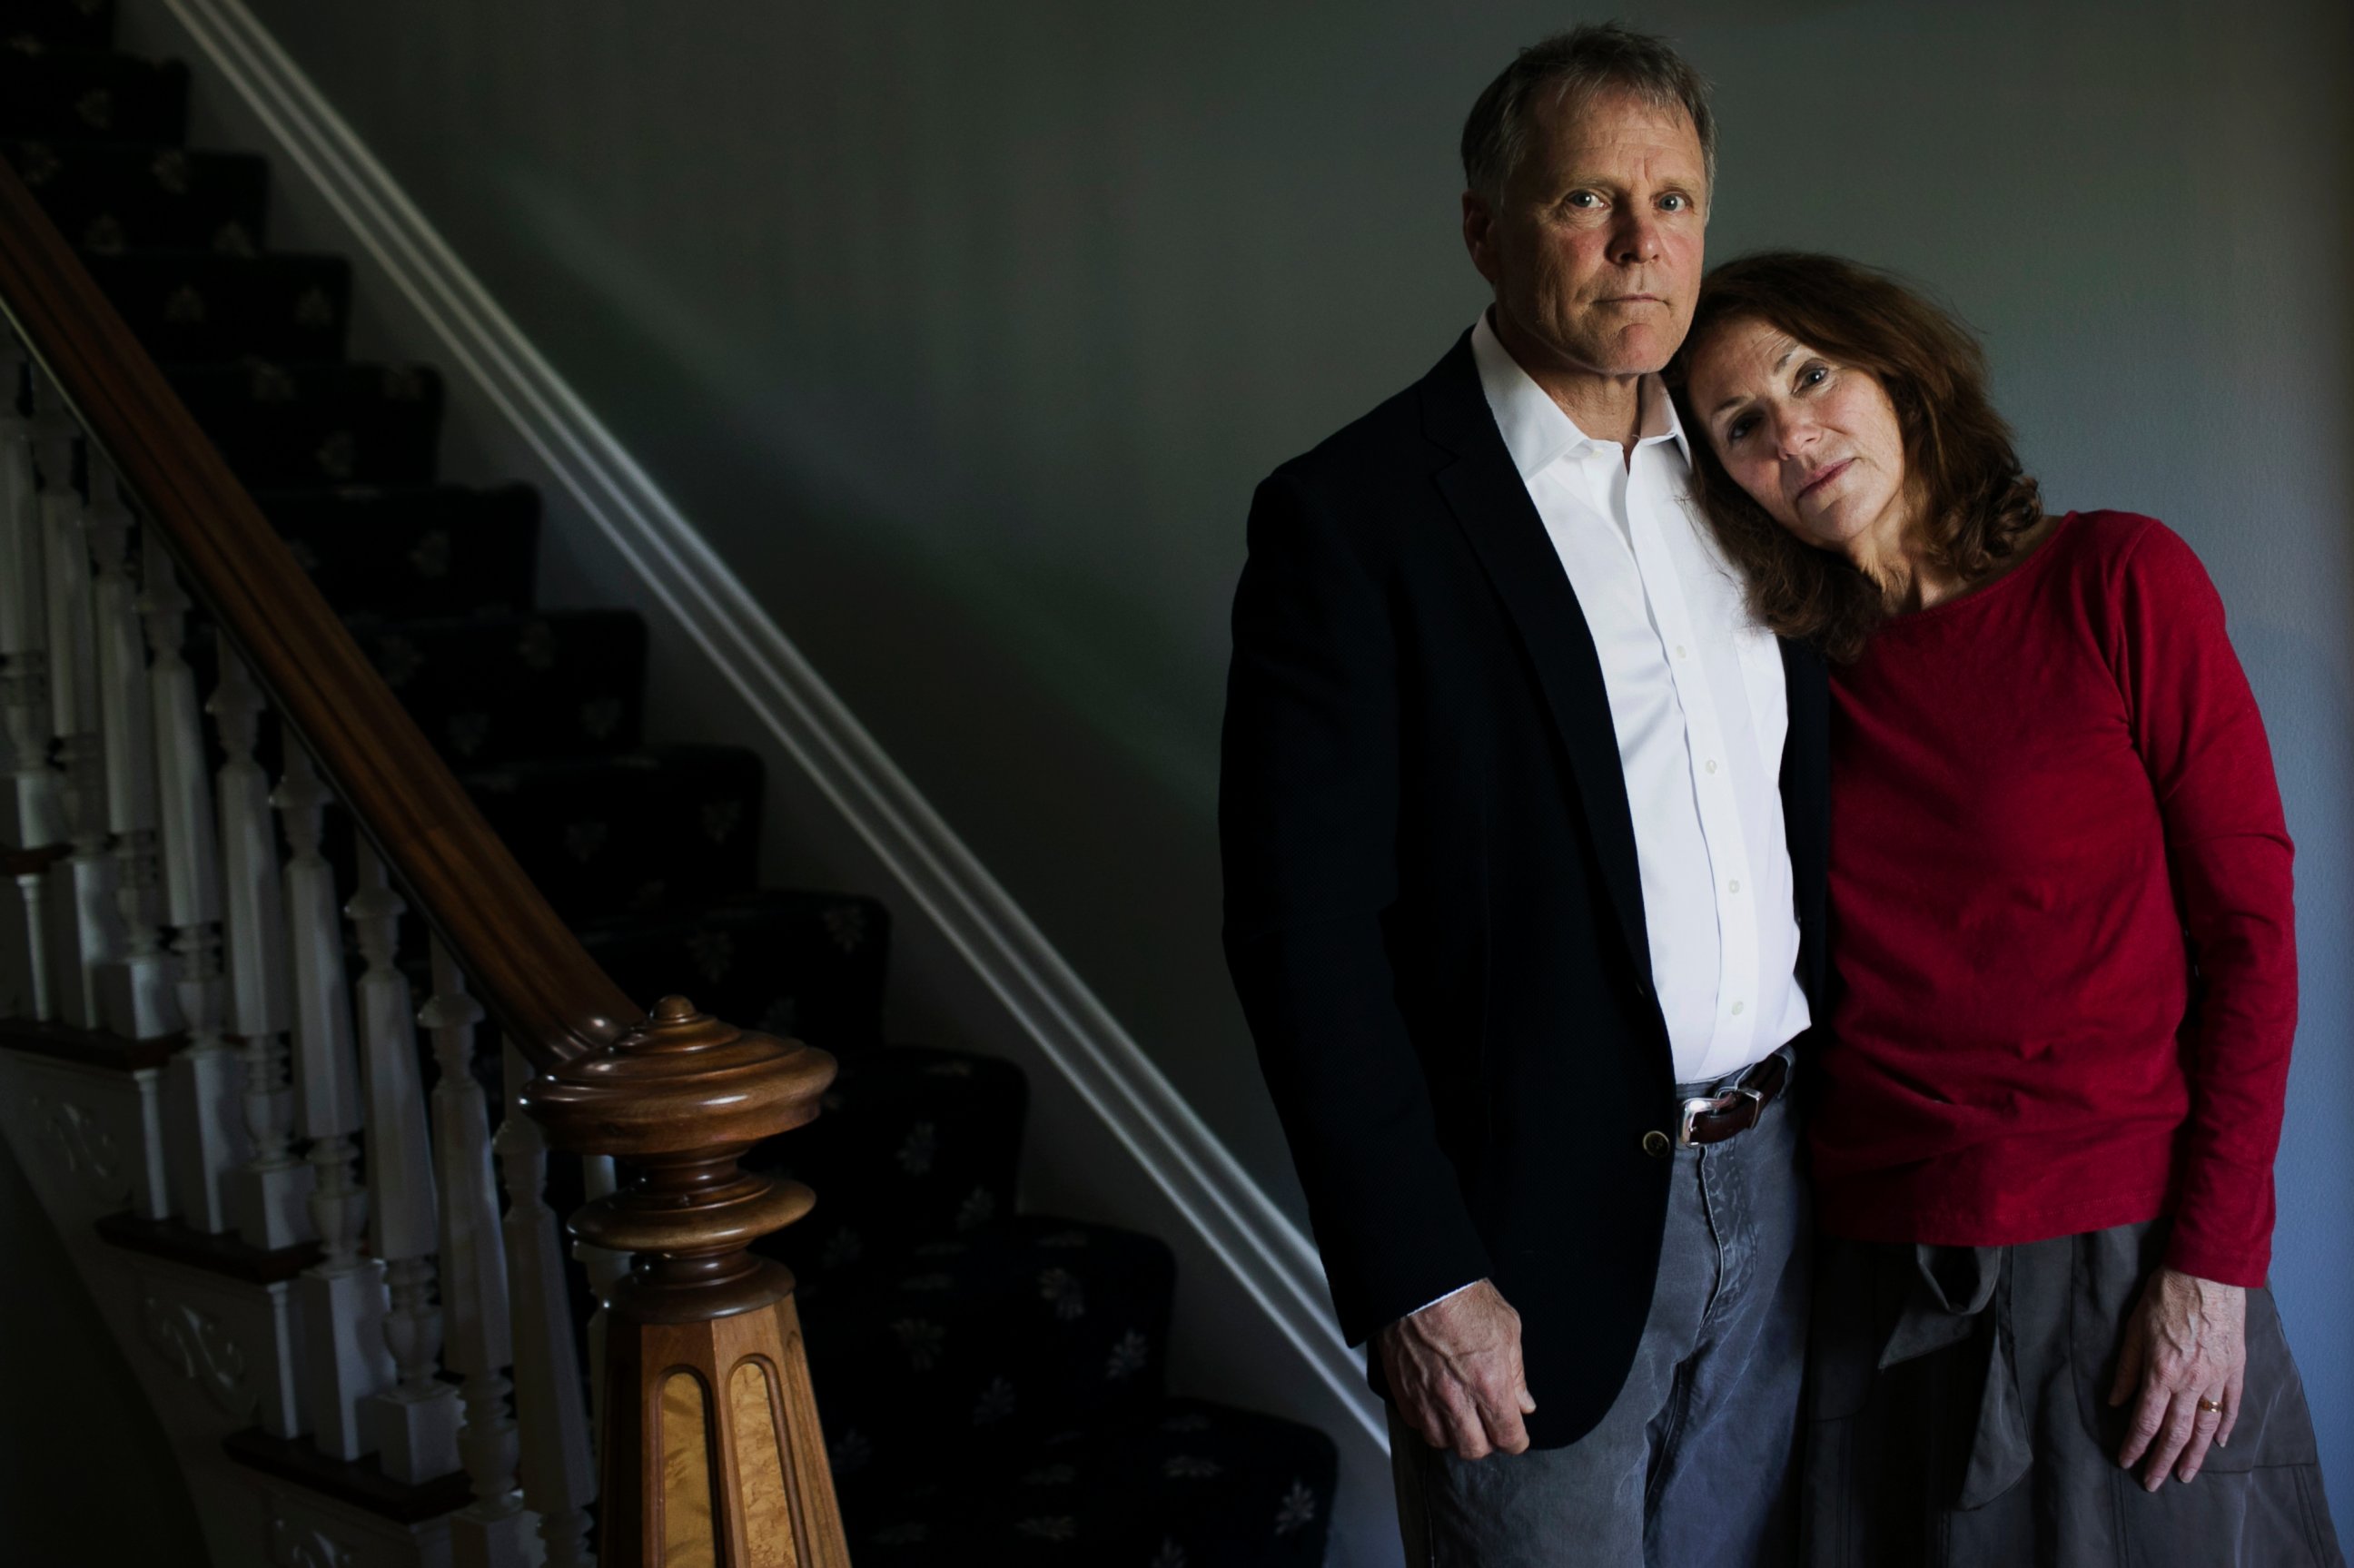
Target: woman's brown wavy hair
pixel 1974 501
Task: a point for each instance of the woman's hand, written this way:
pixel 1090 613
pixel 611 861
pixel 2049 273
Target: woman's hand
pixel 2186 1342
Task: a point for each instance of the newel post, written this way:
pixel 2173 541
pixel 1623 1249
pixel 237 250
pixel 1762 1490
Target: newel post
pixel 710 1449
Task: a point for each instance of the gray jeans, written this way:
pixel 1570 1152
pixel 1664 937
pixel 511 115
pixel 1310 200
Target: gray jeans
pixel 1695 1463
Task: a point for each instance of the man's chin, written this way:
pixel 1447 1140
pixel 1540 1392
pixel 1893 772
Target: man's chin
pixel 1645 351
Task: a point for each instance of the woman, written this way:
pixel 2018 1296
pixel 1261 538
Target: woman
pixel 2045 1121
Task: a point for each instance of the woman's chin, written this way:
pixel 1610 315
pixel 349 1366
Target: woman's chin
pixel 1823 529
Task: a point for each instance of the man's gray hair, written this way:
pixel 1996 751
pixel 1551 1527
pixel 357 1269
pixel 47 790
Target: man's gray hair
pixel 1572 66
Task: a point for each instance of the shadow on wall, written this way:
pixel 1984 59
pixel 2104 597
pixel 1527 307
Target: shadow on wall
pixel 86 1474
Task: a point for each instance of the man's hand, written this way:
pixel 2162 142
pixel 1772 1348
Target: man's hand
pixel 1454 1369
pixel 2186 1342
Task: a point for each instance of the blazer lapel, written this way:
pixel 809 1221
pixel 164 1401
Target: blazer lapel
pixel 1484 491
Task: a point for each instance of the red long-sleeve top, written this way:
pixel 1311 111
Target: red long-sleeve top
pixel 2062 916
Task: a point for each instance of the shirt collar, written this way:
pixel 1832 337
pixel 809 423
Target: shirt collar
pixel 1536 430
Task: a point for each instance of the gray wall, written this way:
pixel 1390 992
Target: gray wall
pixel 963 333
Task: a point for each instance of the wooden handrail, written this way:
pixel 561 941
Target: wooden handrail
pixel 527 967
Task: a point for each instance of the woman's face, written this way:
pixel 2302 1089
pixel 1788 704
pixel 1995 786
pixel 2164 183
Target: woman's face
pixel 1814 442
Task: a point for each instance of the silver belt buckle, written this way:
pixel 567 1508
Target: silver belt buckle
pixel 1715 1105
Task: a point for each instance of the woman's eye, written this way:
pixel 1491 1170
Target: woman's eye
pixel 1814 375
pixel 1738 429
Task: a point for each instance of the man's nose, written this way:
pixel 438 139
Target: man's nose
pixel 1637 239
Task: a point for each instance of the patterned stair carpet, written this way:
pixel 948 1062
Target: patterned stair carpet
pixel 991 1382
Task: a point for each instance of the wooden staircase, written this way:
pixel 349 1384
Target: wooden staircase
pixel 303 789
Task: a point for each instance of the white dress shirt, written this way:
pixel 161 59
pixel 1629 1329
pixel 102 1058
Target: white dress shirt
pixel 1697 703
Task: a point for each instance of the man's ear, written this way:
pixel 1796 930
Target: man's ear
pixel 1480 234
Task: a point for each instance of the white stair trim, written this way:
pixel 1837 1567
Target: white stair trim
pixel 1269 1258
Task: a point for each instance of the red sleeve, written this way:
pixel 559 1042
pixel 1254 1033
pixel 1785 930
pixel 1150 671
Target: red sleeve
pixel 2202 741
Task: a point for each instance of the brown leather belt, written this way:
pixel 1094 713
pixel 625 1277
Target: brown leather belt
pixel 1714 1119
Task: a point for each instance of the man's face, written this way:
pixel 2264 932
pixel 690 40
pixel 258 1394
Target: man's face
pixel 1594 251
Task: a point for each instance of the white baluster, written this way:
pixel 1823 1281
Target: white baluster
pixel 30 814
pixel 605 1268
pixel 269 1196
pixel 24 929
pixel 84 914
pixel 135 995
pixel 496 1529
pixel 203 1131
pixel 414 1424
pixel 342 1297
pixel 558 1479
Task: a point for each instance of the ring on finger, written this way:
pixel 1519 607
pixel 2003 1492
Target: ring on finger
pixel 2210 1408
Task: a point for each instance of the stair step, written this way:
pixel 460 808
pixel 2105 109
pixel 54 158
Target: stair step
pixel 357 1483
pixel 431 551
pixel 806 964
pixel 493 689
pixel 108 197
pixel 1182 1484
pixel 226 1254
pixel 92 93
pixel 86 1047
pixel 916 1144
pixel 69 24
pixel 189 307
pixel 996 1339
pixel 662 827
pixel 293 425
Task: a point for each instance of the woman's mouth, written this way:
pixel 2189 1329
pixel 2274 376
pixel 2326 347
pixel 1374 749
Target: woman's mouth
pixel 1823 477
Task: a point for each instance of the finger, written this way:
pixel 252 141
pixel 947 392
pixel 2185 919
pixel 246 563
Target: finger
pixel 1521 1394
pixel 1500 1406
pixel 1423 1412
pixel 2128 1370
pixel 2204 1424
pixel 1505 1432
pixel 2148 1419
pixel 2181 1416
pixel 1468 1434
pixel 2234 1389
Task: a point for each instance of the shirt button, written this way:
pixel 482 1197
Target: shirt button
pixel 1656 1144
pixel 1736 1007
pixel 1733 886
pixel 1712 767
pixel 1681 652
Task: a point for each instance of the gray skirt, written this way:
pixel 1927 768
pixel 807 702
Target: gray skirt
pixel 1958 1417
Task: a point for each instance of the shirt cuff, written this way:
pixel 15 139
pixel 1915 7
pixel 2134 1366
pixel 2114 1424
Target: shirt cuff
pixel 1448 1297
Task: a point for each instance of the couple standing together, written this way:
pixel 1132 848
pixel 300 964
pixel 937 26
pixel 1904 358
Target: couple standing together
pixel 1775 956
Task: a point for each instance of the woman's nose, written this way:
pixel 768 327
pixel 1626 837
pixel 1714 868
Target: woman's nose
pixel 1794 433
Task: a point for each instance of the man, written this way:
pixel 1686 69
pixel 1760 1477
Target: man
pixel 1524 830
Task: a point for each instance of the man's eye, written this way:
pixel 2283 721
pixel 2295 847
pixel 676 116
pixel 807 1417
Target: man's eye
pixel 1583 199
pixel 1675 203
